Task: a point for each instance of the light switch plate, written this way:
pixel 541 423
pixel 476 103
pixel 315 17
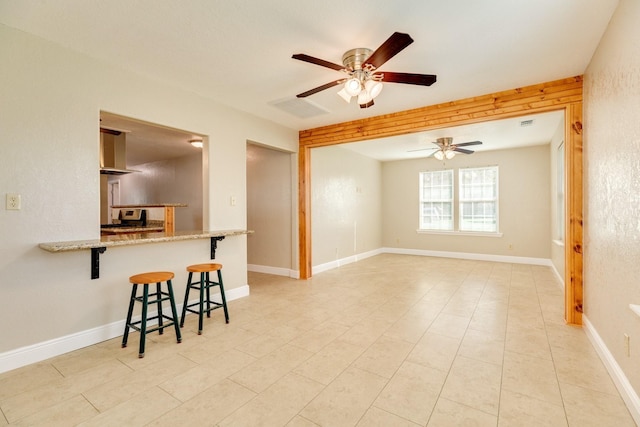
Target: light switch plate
pixel 13 202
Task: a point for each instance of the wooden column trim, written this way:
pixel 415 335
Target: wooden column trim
pixel 304 211
pixel 169 219
pixel 564 94
pixel 573 217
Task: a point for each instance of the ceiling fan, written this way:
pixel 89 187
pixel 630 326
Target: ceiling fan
pixel 447 150
pixel 363 79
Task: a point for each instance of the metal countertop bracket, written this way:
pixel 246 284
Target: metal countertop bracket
pixel 95 261
pixel 214 245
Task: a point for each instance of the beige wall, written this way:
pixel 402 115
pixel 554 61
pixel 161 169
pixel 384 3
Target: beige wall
pixel 51 102
pixel 176 180
pixel 345 205
pixel 270 210
pixel 612 188
pixel 524 215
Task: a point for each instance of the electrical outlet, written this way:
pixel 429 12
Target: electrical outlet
pixel 232 200
pixel 13 202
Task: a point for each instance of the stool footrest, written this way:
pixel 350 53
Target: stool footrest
pixel 216 305
pixel 133 325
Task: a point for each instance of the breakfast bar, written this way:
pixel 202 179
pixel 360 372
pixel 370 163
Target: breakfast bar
pixel 99 246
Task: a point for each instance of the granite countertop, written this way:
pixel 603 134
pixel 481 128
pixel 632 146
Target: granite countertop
pixel 137 239
pixel 133 229
pixel 153 205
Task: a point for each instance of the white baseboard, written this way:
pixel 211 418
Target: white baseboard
pixel 316 269
pixel 276 271
pixel 621 381
pixel 344 261
pixel 472 256
pixel 44 350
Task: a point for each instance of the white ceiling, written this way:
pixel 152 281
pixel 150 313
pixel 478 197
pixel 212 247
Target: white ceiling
pixel 239 52
pixel 494 135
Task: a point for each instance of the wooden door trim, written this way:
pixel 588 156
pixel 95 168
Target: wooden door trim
pixel 564 94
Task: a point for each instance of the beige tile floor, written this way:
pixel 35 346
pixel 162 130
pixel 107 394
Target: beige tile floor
pixel 392 340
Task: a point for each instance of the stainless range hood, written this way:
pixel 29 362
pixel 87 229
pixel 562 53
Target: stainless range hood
pixel 113 151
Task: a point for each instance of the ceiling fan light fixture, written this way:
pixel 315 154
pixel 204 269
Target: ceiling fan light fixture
pixel 439 155
pixel 450 154
pixel 373 87
pixel 353 86
pixel 367 105
pixel 364 97
pixel 345 95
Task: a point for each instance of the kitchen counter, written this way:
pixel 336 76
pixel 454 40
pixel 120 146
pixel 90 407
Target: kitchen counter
pixel 108 231
pixel 153 205
pixel 99 246
pixel 136 239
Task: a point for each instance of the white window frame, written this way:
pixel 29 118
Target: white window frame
pixel 466 196
pixel 429 226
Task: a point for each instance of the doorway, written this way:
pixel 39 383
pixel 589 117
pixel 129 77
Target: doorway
pixel 270 210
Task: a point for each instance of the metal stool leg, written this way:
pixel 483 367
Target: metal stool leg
pixel 186 300
pixel 160 316
pixel 224 300
pixel 174 312
pixel 143 324
pixel 208 284
pixel 200 314
pixel 132 300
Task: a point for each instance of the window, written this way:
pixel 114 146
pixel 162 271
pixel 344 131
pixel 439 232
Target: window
pixel 479 199
pixel 436 200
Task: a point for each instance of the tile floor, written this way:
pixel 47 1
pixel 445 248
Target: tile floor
pixel 392 340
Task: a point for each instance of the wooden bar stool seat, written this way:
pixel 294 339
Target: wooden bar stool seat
pixel 145 279
pixel 203 286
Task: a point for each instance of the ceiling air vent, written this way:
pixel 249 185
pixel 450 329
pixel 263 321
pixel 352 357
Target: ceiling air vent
pixel 299 107
pixel 525 123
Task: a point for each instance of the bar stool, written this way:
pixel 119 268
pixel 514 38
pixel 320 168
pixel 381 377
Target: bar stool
pixel 204 284
pixel 156 277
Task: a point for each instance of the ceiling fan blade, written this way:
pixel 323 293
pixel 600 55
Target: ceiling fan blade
pixel 462 150
pixel 464 144
pixel 409 78
pixel 317 61
pixel 389 49
pixel 319 89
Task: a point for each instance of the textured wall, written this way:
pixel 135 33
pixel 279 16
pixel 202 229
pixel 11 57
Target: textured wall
pixel 612 187
pixel 345 206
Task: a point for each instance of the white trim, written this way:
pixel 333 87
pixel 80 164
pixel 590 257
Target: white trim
pixel 44 350
pixel 460 233
pixel 621 381
pixel 474 256
pixel 344 261
pixel 276 271
pixel 558 275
